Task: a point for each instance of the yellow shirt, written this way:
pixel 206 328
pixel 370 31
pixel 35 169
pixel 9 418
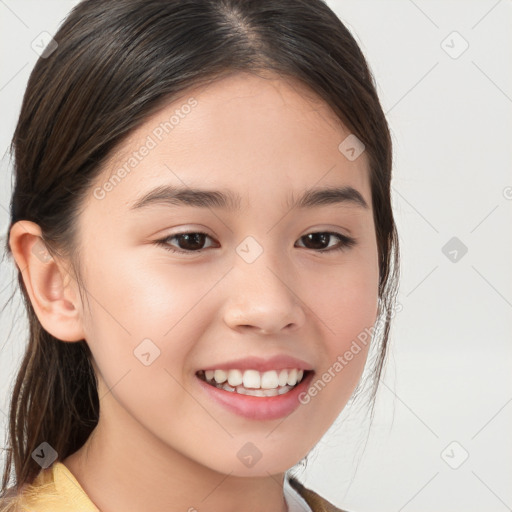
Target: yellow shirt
pixel 55 489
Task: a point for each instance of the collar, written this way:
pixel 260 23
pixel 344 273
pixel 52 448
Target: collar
pixel 303 497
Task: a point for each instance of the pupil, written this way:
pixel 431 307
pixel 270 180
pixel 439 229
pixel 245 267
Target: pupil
pixel 194 237
pixel 322 236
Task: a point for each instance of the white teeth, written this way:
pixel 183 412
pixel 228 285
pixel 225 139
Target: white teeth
pixel 227 387
pixel 252 382
pixel 235 377
pixel 255 392
pixel 292 377
pixel 220 376
pixel 269 380
pixel 251 379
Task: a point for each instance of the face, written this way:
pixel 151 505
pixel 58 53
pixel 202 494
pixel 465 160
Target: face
pixel 175 286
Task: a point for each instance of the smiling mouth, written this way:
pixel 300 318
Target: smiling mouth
pixel 254 383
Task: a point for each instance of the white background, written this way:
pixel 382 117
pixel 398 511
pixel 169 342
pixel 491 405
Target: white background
pixel 448 375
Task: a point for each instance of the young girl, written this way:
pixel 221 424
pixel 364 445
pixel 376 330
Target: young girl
pixel 202 226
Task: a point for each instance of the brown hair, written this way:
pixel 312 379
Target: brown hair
pixel 117 62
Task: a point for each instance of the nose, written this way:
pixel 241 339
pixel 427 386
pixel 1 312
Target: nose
pixel 262 298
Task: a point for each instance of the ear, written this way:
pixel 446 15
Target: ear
pixel 52 290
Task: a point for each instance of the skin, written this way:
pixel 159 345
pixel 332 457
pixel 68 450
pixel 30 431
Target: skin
pixel 160 443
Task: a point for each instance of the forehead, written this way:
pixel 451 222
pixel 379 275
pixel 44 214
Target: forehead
pixel 250 134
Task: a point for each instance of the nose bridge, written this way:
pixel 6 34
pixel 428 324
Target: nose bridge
pixel 259 262
pixel 262 295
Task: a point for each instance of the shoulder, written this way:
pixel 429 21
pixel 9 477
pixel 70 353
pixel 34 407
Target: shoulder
pixel 16 499
pixel 9 501
pixel 314 500
pixel 37 496
pixel 53 490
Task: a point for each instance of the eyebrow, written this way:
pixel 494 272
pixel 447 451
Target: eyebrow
pixel 229 200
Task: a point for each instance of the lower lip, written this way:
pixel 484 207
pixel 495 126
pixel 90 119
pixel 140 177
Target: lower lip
pixel 255 407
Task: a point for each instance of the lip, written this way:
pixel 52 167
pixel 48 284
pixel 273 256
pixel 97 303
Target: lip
pixel 255 407
pixel 279 362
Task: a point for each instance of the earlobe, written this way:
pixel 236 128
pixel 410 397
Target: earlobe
pixel 47 283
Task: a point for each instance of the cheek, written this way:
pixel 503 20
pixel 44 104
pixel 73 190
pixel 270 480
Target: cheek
pixel 344 297
pixel 144 298
pixel 343 303
pixel 351 306
pixel 141 332
pixel 138 309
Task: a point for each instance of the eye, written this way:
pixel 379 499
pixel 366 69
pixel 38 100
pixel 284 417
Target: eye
pixel 194 242
pixel 322 237
pixel 190 242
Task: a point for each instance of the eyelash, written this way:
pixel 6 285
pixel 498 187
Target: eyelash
pixel 346 242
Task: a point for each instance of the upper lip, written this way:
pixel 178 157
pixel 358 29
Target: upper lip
pixel 260 364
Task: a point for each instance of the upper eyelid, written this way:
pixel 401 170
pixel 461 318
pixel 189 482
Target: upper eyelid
pixel 204 231
pixel 347 240
pixel 199 232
